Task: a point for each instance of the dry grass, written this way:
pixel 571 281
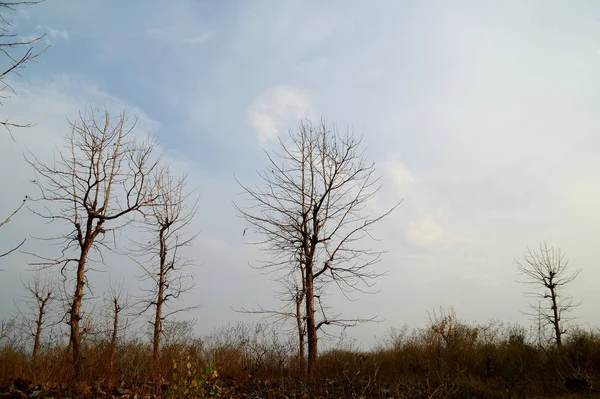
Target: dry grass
pixel 448 359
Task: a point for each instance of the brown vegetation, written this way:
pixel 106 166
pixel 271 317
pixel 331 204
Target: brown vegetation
pixel 446 359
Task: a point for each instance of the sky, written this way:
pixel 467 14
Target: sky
pixel 481 116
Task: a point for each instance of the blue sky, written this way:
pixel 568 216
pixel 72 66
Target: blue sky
pixel 482 116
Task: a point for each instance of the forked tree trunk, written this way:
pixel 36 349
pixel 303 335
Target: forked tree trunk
pixel 156 334
pixel 556 319
pixel 38 328
pixel 311 327
pixel 160 298
pixel 75 338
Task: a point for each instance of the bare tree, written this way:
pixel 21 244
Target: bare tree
pixel 18 52
pixel 308 211
pixel 41 292
pixel 164 264
pixel 116 301
pixel 95 187
pixel 297 288
pixel 292 296
pixel 11 334
pixel 547 269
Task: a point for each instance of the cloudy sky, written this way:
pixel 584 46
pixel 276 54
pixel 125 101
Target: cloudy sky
pixel 483 117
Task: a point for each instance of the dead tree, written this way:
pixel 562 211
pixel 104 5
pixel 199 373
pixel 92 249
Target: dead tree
pixel 96 186
pixel 297 287
pixel 308 211
pixel 116 301
pixel 17 53
pixel 292 294
pixel 163 262
pixel 41 292
pixel 547 269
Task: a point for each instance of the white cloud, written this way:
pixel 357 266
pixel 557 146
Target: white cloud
pixel 401 176
pixel 429 233
pixel 203 38
pixel 278 110
pixel 53 34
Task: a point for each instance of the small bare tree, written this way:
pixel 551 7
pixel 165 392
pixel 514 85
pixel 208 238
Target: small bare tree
pixel 164 264
pixel 292 296
pixel 547 269
pixel 41 291
pixel 17 53
pixel 295 288
pixel 309 212
pixel 116 301
pixel 95 187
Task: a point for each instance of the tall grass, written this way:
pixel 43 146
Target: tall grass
pixel 448 358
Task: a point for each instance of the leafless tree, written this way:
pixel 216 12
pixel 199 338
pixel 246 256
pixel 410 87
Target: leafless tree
pixel 297 288
pixel 292 293
pixel 309 212
pixel 547 270
pixel 11 334
pixel 95 187
pixel 18 51
pixel 164 263
pixel 41 292
pixel 116 301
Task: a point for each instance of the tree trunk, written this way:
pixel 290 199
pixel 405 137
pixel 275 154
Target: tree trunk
pixel 156 336
pixel 300 325
pixel 160 298
pixel 113 338
pixel 75 338
pixel 38 330
pixel 311 327
pixel 556 321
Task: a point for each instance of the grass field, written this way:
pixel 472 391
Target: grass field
pixel 447 359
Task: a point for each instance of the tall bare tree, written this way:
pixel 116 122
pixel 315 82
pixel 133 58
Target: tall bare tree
pixel 41 291
pixel 309 212
pixel 546 269
pixel 164 264
pixel 17 50
pixel 95 187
